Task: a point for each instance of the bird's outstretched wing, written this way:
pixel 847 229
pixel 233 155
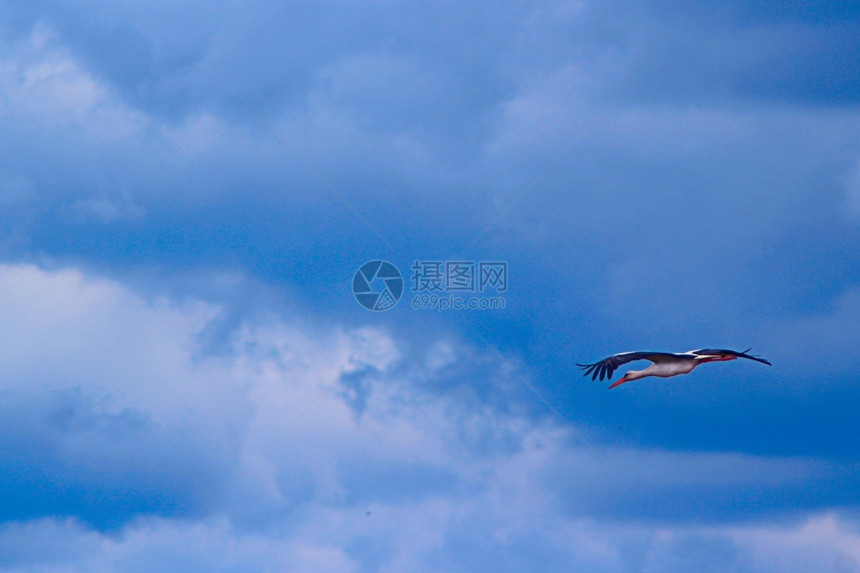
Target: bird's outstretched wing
pixel 726 353
pixel 605 368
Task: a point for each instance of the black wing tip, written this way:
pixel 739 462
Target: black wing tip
pixel 744 354
pixel 755 357
pixel 589 368
pixel 595 370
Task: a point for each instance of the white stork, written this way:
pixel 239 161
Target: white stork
pixel 666 364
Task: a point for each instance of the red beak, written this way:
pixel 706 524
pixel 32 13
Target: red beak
pixel 622 381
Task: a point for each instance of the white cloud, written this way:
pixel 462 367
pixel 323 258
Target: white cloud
pixel 328 543
pixel 81 145
pixel 64 330
pixel 45 87
pixel 821 543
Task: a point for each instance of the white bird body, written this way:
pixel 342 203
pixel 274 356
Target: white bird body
pixel 663 370
pixel 665 364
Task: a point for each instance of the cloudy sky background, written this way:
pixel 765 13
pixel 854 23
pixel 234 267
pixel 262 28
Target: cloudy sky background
pixel 175 286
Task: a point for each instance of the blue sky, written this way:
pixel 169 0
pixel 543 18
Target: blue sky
pixel 175 286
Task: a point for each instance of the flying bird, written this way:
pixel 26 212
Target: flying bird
pixel 666 364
